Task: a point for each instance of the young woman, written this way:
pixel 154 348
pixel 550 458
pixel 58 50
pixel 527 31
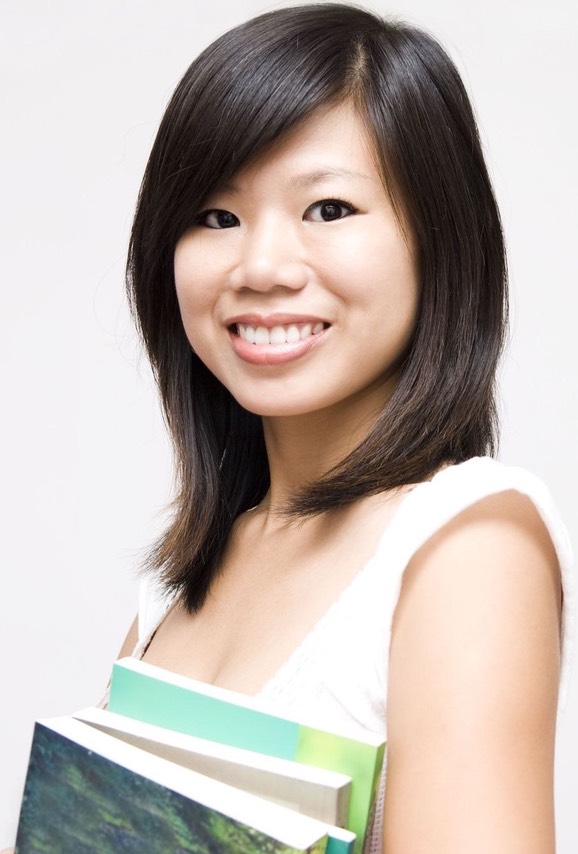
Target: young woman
pixel 318 271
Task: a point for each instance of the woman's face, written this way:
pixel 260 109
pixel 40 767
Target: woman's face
pixel 297 287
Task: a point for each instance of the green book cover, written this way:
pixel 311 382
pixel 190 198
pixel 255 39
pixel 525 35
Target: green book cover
pixel 148 693
pixel 88 793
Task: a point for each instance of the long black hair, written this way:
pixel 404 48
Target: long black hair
pixel 245 90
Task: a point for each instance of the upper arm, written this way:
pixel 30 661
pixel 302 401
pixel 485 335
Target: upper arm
pixel 130 641
pixel 473 681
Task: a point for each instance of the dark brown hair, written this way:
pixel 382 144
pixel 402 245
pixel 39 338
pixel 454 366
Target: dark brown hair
pixel 245 90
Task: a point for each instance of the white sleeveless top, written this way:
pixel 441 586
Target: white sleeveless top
pixel 338 676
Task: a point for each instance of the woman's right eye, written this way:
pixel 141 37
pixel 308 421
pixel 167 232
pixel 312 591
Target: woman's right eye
pixel 217 219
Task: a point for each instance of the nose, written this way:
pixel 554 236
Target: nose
pixel 270 255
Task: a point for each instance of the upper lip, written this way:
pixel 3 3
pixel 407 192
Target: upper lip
pixel 271 320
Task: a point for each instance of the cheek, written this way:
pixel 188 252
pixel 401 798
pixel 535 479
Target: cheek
pixel 186 270
pixel 193 282
pixel 389 272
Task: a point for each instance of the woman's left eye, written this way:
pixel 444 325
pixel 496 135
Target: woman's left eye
pixel 328 210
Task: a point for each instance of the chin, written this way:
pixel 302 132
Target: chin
pixel 278 408
pixel 270 411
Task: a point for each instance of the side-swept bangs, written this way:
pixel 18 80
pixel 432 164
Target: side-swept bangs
pixel 241 94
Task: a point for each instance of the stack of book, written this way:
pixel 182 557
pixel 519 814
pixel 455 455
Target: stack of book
pixel 175 765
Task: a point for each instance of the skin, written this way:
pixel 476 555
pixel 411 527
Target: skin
pixel 473 688
pixel 474 661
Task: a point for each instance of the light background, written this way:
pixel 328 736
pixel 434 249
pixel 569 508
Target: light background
pixel 85 468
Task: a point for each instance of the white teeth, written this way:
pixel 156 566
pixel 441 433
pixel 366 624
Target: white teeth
pixel 290 334
pixel 277 336
pixel 262 335
pixel 305 331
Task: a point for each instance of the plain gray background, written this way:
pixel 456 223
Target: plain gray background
pixel 85 467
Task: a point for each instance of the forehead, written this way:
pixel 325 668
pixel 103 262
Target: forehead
pixel 333 143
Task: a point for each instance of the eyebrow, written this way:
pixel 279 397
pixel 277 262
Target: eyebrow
pixel 317 176
pixel 308 179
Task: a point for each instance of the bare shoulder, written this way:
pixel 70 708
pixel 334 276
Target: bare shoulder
pixel 474 672
pixel 497 549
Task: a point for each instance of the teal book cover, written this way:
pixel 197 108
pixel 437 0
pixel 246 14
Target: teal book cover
pixel 78 801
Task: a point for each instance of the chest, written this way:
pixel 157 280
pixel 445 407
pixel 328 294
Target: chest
pixel 268 597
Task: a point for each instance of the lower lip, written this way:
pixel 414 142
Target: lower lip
pixel 273 354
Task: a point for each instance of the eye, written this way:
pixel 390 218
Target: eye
pixel 217 219
pixel 328 210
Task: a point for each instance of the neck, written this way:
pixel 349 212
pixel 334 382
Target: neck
pixel 303 448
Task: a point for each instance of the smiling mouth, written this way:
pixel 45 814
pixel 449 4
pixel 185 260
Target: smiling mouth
pixel 290 333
